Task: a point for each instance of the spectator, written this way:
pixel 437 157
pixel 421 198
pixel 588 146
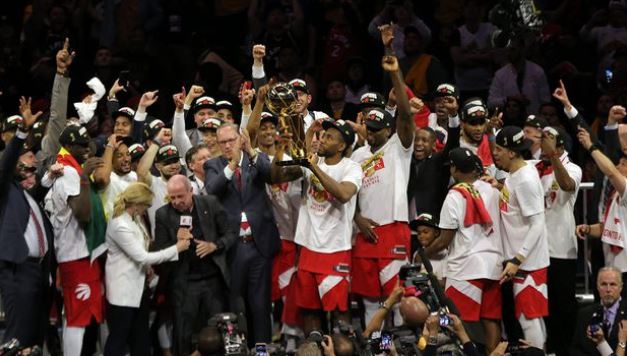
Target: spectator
pixel 606 316
pixel 195 159
pixel 427 231
pixel 521 79
pixel 125 271
pixel 336 104
pixel 357 83
pixel 198 281
pixel 423 72
pixel 472 52
pixel 533 132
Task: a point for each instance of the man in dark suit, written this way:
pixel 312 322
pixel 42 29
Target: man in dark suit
pixel 606 316
pixel 238 179
pixel 197 283
pixel 26 242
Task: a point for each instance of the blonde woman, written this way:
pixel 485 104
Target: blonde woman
pixel 125 272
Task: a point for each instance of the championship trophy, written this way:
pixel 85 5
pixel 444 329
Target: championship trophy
pixel 281 101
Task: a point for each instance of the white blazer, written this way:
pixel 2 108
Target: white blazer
pixel 127 259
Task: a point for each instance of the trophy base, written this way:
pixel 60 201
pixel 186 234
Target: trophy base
pixel 304 162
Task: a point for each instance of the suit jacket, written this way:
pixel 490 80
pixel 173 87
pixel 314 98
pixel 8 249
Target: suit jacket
pixel 127 259
pixel 15 211
pixel 582 345
pixel 214 229
pixel 252 199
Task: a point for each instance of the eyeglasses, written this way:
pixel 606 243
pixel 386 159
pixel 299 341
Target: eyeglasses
pixel 225 142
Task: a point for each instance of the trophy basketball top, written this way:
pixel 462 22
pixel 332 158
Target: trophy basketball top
pixel 281 99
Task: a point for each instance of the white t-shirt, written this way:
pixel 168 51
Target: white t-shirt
pixel 522 196
pixel 559 206
pixel 475 251
pixel 117 184
pixel 615 229
pixel 325 224
pixel 285 199
pixel 69 237
pixel 160 189
pixel 383 193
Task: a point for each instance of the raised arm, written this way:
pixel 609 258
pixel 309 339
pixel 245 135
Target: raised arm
pixel 564 180
pixel 102 175
pixel 58 103
pixel 603 162
pixel 179 136
pixel 147 160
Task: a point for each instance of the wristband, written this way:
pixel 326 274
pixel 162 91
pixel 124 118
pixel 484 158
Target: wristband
pixel 593 148
pixel 157 141
pixel 516 261
pixel 383 306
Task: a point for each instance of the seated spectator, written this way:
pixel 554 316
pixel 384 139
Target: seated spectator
pixel 335 102
pixel 423 72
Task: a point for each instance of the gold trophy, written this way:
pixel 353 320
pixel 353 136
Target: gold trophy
pixel 281 101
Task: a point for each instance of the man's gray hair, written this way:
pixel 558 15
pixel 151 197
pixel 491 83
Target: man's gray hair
pixel 235 127
pixel 611 269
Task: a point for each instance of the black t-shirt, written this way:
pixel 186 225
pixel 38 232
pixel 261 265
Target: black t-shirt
pixel 199 268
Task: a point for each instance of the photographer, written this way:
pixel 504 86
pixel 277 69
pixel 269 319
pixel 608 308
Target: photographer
pixel 413 311
pixel 432 329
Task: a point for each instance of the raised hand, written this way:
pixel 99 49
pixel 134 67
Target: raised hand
pixel 616 115
pixel 584 138
pixel 496 120
pixel 246 145
pixel 246 96
pixel 64 57
pixel 389 63
pixel 195 91
pixel 561 95
pixel 91 164
pixel 116 88
pixel 148 98
pixel 27 115
pixel 387 34
pixel 259 51
pixel 179 100
pixel 548 144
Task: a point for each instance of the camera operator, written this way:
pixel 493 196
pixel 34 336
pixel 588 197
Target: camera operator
pixel 413 310
pixel 432 329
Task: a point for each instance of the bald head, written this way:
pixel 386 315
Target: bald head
pixel 180 192
pixel 414 311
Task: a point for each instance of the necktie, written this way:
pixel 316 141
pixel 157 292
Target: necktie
pixel 40 234
pixel 238 178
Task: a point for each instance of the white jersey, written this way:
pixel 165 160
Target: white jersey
pixel 285 199
pixel 615 231
pixel 522 197
pixel 475 251
pixel 69 236
pixel 383 193
pixel 559 206
pixel 159 188
pixel 325 224
pixel 117 184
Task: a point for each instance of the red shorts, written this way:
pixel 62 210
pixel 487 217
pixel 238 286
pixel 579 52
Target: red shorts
pixel 82 292
pixel 283 267
pixel 322 280
pixel 375 277
pixel 291 312
pixel 475 299
pixel 531 294
pixel 394 242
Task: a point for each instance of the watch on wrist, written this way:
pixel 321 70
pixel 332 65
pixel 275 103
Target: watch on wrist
pixel 593 148
pixel 622 344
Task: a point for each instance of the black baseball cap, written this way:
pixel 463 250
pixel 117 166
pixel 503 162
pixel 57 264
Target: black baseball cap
pixel 474 113
pixel 513 138
pixel 168 154
pixel 536 121
pixel 136 151
pixel 465 160
pixel 446 89
pixel 12 123
pixel 74 135
pixel 378 119
pixel 559 133
pixel 299 84
pixel 266 116
pixel 126 140
pixel 39 129
pixel 426 219
pixel 224 104
pixel 203 102
pixel 152 128
pixel 126 112
pixel 370 100
pixel 345 129
pixel 210 124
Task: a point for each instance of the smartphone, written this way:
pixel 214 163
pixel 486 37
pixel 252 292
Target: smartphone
pixel 444 320
pixel 386 341
pixel 124 77
pixel 261 349
pixel 609 74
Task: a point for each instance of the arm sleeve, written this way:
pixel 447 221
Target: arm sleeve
pixel 58 114
pixel 124 237
pixel 179 136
